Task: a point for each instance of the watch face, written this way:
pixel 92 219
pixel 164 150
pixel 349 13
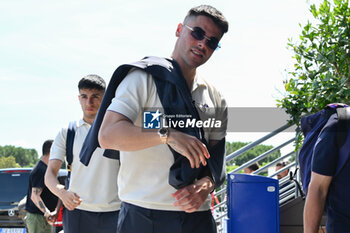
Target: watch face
pixel 163 131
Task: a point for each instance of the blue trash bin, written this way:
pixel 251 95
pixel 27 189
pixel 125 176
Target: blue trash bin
pixel 252 204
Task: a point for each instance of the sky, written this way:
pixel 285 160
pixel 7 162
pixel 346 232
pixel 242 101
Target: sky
pixel 46 47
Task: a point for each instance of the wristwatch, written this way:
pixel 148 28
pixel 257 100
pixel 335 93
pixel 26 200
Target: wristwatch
pixel 163 134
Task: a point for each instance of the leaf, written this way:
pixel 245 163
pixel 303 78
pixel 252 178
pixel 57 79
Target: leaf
pixel 321 72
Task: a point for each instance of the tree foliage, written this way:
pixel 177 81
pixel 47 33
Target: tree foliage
pixel 8 162
pixel 24 157
pixel 250 154
pixel 322 61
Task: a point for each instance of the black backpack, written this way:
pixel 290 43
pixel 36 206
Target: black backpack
pixel 312 126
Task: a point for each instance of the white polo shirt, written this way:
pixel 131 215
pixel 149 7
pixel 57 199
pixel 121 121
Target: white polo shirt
pixel 96 184
pixel 143 175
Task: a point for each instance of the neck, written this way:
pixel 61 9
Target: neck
pixel 88 120
pixel 189 77
pixel 188 72
pixel 45 159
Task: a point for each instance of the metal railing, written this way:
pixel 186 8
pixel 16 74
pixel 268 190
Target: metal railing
pixel 288 189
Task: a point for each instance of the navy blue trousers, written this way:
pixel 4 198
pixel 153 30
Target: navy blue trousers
pixel 135 219
pixel 81 221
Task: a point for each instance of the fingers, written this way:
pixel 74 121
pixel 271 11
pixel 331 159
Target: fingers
pixel 190 147
pixel 51 219
pixel 202 152
pixel 77 200
pixel 181 193
pixel 191 197
pixel 192 155
pixel 47 217
pixel 187 199
pixel 71 200
pixel 197 152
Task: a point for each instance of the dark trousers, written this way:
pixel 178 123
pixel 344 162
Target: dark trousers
pixel 81 221
pixel 135 219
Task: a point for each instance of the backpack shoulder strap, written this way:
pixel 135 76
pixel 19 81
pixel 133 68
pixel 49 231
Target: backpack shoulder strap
pixel 342 137
pixel 72 127
pixel 343 113
pixel 70 141
pixel 343 118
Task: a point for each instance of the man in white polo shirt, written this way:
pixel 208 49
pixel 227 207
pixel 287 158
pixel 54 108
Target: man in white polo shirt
pixel 91 201
pixel 150 203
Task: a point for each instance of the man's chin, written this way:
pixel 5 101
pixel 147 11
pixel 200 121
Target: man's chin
pixel 90 115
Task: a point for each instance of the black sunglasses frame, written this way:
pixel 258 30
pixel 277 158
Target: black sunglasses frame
pixel 199 34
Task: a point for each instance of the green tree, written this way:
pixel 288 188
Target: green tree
pixel 250 154
pixel 322 61
pixel 24 157
pixel 8 162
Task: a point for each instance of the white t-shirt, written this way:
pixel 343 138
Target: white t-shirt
pixel 96 184
pixel 143 175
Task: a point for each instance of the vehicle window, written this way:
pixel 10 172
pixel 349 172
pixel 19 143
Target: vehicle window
pixel 14 186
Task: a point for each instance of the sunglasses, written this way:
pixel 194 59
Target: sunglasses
pixel 199 34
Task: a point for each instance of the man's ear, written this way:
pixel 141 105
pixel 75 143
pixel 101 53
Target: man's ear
pixel 178 30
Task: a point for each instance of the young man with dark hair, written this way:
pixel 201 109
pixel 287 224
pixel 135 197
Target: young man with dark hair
pixel 42 206
pixel 91 201
pixel 150 203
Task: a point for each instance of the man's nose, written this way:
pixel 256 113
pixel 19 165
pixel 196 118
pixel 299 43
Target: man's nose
pixel 201 43
pixel 90 100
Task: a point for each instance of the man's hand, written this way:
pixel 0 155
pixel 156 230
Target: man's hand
pixel 191 197
pixel 51 217
pixel 70 200
pixel 190 147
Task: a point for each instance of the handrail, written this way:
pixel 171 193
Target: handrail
pixel 262 156
pixel 257 142
pixel 273 162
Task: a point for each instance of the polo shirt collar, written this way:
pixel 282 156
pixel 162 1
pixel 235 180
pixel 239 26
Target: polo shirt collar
pixel 82 122
pixel 197 83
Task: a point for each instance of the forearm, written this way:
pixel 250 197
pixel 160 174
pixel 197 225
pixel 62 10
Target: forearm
pixel 313 211
pixel 51 180
pixel 54 186
pixel 58 206
pixel 39 203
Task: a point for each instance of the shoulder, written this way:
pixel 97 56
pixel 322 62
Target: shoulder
pixel 39 169
pixel 62 134
pixel 324 160
pixel 136 84
pixel 331 127
pixel 58 148
pixel 135 78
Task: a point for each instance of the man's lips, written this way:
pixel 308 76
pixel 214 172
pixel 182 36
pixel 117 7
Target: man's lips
pixel 197 52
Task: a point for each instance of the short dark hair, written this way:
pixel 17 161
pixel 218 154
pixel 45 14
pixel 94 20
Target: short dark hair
pixel 46 147
pixel 210 12
pixel 92 81
pixel 254 167
pixel 282 164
